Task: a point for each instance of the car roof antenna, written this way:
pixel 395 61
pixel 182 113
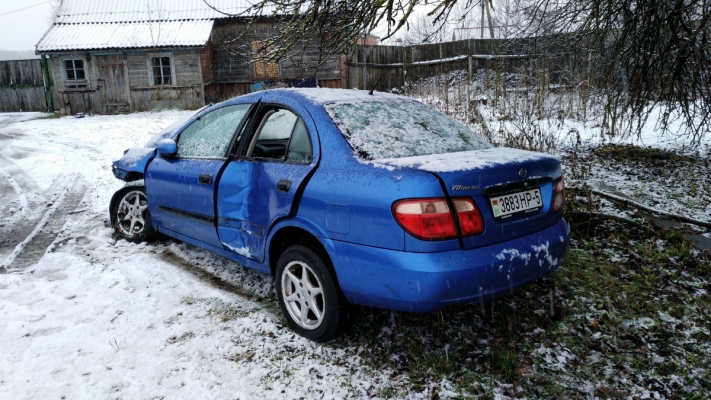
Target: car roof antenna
pixel 376 84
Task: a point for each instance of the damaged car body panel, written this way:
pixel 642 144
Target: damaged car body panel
pixel 132 165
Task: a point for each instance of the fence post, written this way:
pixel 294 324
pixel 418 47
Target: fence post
pixel 404 67
pixel 469 59
pixel 47 86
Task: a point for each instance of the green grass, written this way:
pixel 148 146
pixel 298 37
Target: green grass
pixel 639 321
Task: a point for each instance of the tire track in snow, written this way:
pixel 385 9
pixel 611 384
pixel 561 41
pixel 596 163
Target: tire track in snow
pixel 41 226
pixel 56 201
pixel 33 247
pixel 24 205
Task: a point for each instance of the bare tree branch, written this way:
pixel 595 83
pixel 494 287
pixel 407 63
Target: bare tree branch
pixel 652 58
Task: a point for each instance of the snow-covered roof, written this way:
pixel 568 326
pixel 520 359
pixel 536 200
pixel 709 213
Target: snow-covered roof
pixel 107 11
pixel 110 24
pixel 61 37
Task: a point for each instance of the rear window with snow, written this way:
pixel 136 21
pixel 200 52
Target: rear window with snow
pixel 379 129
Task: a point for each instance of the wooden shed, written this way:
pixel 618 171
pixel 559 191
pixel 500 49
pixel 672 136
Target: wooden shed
pixel 135 55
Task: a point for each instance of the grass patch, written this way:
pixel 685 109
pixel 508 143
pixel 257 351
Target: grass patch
pixel 54 115
pixel 631 314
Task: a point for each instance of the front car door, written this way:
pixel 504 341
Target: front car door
pixel 181 189
pixel 258 188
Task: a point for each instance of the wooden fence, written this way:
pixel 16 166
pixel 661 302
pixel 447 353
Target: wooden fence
pixel 22 86
pixel 393 66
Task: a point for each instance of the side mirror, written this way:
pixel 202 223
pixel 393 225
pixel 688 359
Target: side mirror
pixel 167 148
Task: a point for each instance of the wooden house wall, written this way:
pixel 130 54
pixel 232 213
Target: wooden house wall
pixel 121 82
pixel 186 93
pixel 233 55
pixel 206 64
pixel 76 100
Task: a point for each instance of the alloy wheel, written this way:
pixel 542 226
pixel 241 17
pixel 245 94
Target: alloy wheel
pixel 303 295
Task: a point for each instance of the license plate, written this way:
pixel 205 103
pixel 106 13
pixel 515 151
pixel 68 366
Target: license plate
pixel 508 205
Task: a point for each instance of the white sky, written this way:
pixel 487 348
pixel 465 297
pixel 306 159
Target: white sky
pixel 21 30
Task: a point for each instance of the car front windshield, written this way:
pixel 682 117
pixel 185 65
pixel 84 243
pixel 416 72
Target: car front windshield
pixel 394 129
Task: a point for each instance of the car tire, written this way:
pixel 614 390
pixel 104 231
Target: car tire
pixel 130 217
pixel 308 295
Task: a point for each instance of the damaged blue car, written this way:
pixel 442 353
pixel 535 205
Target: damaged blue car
pixel 348 197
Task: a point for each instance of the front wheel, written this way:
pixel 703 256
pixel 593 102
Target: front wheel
pixel 308 295
pixel 130 217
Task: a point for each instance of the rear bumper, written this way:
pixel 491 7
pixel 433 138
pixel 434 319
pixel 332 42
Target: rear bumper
pixel 420 282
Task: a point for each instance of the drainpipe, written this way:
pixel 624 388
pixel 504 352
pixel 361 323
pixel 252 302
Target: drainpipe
pixel 45 78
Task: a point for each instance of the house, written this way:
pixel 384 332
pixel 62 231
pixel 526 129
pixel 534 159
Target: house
pixel 134 55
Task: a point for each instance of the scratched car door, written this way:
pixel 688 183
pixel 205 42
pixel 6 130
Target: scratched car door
pixel 257 189
pixel 181 189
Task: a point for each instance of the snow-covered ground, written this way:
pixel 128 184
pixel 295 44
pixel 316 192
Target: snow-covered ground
pixel 95 318
pixel 85 316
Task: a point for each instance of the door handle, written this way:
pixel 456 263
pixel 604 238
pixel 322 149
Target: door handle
pixel 283 186
pixel 205 179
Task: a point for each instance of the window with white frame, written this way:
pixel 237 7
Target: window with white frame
pixel 161 67
pixel 75 74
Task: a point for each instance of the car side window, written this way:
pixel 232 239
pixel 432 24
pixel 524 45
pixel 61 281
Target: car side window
pixel 300 144
pixel 210 135
pixel 281 135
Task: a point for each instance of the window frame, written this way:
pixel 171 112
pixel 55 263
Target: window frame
pixel 261 117
pixel 78 84
pixel 261 68
pixel 151 74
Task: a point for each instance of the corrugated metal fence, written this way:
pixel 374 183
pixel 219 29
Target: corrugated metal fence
pixel 393 66
pixel 22 86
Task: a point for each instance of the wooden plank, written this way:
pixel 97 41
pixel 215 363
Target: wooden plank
pixel 20 72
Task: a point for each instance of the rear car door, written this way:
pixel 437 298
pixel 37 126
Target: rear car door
pixel 181 189
pixel 262 185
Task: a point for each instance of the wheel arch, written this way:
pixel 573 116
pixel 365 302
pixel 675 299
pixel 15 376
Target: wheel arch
pixel 292 232
pixel 133 176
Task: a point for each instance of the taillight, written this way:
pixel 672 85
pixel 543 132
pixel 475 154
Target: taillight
pixel 431 219
pixel 425 218
pixel 470 219
pixel 558 195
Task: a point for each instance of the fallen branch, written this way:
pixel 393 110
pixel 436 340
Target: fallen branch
pixel 617 218
pixel 641 206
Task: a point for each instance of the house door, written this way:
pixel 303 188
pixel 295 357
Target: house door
pixel 113 88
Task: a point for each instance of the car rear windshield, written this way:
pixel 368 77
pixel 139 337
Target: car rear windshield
pixel 379 129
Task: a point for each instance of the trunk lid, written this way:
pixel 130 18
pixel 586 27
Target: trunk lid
pixel 495 173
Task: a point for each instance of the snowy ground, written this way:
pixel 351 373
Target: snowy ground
pixel 85 316
pixel 96 318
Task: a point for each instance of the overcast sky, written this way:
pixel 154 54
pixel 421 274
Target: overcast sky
pixel 22 23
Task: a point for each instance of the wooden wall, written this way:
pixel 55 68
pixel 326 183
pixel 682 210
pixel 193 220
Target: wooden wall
pixel 22 86
pixel 121 81
pixel 393 66
pixel 186 93
pixel 233 43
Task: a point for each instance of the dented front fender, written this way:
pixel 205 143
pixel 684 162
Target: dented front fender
pixel 132 166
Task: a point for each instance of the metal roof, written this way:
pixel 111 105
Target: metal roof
pixel 102 11
pixel 61 37
pixel 113 24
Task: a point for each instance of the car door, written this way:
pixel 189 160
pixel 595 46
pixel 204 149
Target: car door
pixel 181 189
pixel 260 187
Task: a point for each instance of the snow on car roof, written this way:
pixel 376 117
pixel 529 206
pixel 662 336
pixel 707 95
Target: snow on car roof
pixel 322 96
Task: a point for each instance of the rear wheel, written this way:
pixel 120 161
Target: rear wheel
pixel 130 217
pixel 308 295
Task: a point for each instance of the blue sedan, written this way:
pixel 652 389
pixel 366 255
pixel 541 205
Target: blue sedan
pixel 348 197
